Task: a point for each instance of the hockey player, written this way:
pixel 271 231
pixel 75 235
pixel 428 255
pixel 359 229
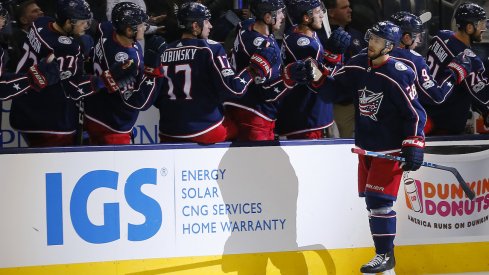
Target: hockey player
pixel 112 113
pixel 49 118
pixel 303 114
pixel 36 78
pixel 451 116
pixel 389 119
pixel 198 78
pixel 255 113
pixel 428 90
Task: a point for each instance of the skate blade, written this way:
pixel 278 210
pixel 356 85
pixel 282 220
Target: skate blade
pixel 387 272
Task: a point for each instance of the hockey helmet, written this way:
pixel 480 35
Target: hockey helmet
pixel 469 13
pixel 4 13
pixel 261 7
pixel 72 10
pixel 408 22
pixel 297 8
pixel 386 30
pixel 191 12
pixel 127 14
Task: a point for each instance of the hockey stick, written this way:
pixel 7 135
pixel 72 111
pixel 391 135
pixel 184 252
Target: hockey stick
pixel 326 26
pixel 470 194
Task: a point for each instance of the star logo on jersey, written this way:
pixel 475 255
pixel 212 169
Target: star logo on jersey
pixel 16 86
pixel 276 90
pixel 369 103
pixel 149 82
pixel 242 80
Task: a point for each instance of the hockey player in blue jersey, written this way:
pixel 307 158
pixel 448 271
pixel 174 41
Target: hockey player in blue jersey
pixel 111 113
pixel 256 112
pixel 302 113
pixel 451 116
pixel 388 119
pixel 429 91
pixel 198 78
pixel 36 78
pixel 50 117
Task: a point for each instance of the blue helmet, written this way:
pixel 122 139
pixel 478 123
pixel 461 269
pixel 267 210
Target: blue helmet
pixel 192 12
pixel 297 8
pixel 72 10
pixel 469 13
pixel 408 22
pixel 127 14
pixel 387 30
pixel 261 7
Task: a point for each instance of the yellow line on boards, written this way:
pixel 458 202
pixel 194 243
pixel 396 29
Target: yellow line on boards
pixel 411 260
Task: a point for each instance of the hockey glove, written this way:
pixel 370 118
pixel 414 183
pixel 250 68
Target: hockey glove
pixel 117 72
pixel 336 46
pixel 460 66
pixel 152 56
pixel 263 63
pixel 296 73
pixel 317 71
pixel 412 151
pixel 43 74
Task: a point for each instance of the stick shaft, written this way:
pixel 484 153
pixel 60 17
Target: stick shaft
pixel 470 194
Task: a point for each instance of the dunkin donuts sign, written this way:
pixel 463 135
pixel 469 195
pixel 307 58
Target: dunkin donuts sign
pixel 444 206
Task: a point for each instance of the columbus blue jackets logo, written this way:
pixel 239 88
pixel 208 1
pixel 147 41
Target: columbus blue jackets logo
pixel 369 103
pixel 258 41
pixel 64 40
pixel 303 41
pixel 121 56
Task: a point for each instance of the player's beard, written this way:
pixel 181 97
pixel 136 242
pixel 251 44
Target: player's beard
pixel 311 25
pixel 476 37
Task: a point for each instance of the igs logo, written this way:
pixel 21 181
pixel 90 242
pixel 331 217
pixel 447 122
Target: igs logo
pixel 109 231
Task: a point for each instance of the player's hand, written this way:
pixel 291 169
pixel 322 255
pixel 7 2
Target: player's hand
pixel 336 45
pixel 412 151
pixel 155 46
pixel 461 67
pixel 118 71
pixel 45 73
pixel 317 72
pixel 263 63
pixel 297 73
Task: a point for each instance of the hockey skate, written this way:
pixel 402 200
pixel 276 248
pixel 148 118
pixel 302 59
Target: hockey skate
pixel 381 263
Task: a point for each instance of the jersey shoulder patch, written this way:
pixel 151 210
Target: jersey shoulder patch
pixel 212 42
pixel 400 66
pixel 469 53
pixel 303 41
pixel 414 52
pixel 258 41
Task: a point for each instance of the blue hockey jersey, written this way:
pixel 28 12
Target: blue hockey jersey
pixel 118 111
pixel 429 91
pixel 387 109
pixel 451 116
pixel 11 84
pixel 261 99
pixel 302 110
pixel 53 109
pixel 198 79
